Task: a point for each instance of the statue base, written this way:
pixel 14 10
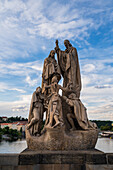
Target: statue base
pixel 58 139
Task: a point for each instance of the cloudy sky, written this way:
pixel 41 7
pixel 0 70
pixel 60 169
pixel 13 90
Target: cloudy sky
pixel 28 30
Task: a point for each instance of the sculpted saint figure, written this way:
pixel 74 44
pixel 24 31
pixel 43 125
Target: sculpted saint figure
pixel 78 112
pixel 54 117
pixel 50 68
pixel 69 66
pixel 35 118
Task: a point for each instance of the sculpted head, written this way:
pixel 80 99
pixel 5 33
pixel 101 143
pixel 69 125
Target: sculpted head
pixel 54 79
pixel 52 53
pixel 70 86
pixel 72 96
pixel 67 43
pixel 38 90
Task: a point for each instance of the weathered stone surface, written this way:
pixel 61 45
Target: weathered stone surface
pixel 66 126
pixel 58 139
pixel 60 167
pixel 57 160
pixel 53 167
pixel 110 158
pixel 59 157
pixel 99 167
pixel 7 168
pixel 96 158
pixel 25 167
pixel 8 159
pixel 35 118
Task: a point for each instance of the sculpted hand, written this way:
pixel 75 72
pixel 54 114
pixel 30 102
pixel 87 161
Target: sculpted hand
pixel 59 86
pixel 64 97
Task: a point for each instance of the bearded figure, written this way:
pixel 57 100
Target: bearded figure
pixel 69 66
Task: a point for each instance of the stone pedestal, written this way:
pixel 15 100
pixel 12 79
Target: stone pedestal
pixel 58 139
pixel 63 160
pixel 57 160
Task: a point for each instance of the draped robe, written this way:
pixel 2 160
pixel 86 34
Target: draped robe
pixel 36 105
pixel 70 70
pixel 50 68
pixel 80 113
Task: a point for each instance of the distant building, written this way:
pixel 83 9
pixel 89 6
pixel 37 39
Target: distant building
pixel 15 125
pixel 3 125
pixel 21 125
pixel 4 118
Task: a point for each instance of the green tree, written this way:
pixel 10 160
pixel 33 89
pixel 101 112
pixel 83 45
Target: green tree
pixel 106 127
pixel 5 130
pixel 0 136
pixel 112 129
pixel 21 130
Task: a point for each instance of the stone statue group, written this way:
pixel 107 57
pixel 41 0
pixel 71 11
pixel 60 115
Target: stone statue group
pixel 64 110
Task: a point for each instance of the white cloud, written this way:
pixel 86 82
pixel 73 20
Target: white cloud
pixel 43 47
pixel 24 24
pixel 20 69
pixel 97 89
pixel 89 68
pixel 16 108
pixel 19 90
pixel 104 112
pixel 22 108
pixel 4 87
pixel 85 80
pixel 32 82
pixel 97 100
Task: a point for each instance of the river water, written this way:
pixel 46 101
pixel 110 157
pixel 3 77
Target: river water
pixel 12 147
pixel 103 144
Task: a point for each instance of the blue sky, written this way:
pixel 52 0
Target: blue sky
pixel 28 30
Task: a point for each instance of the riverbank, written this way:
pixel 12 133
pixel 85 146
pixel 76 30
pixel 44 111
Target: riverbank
pixel 9 134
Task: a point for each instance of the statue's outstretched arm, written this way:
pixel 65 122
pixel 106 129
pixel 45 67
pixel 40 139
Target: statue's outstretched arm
pixel 47 86
pixel 62 88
